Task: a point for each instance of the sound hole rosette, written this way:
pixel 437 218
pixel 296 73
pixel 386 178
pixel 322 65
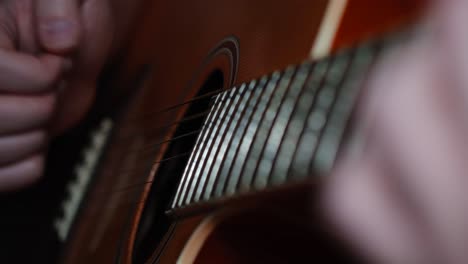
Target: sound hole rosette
pixel 149 226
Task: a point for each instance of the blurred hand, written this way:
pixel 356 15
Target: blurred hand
pixel 51 52
pixel 403 198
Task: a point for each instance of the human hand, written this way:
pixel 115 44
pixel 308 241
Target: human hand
pixel 51 52
pixel 403 198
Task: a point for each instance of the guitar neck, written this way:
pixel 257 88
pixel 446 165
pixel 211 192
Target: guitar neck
pixel 299 114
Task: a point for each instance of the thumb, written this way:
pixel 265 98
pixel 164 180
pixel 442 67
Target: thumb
pixel 59 25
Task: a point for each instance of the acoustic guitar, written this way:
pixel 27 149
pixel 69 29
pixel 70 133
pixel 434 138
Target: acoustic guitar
pixel 218 122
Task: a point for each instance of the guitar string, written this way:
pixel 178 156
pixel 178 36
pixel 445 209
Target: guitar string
pixel 130 122
pixel 123 136
pixel 134 199
pixel 127 131
pixel 149 147
pixel 300 92
pixel 151 155
pixel 388 40
pixel 219 151
pixel 130 125
pixel 146 156
pixel 284 87
pixel 178 105
pixel 146 169
pixel 205 148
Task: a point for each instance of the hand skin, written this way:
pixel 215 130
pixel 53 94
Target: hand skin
pixel 403 198
pixel 51 52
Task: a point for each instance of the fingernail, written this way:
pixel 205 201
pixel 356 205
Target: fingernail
pixel 57 27
pixel 58 32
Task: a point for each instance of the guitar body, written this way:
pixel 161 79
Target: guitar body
pixel 177 50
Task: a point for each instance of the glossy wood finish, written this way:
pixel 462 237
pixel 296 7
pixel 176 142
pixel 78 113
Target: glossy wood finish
pixel 363 19
pixel 176 39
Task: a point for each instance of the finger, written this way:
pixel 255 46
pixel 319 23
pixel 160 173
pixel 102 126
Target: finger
pixel 18 147
pixel 431 155
pixel 21 174
pixel 59 24
pixel 452 39
pixel 22 113
pixel 368 210
pixel 421 135
pixel 21 73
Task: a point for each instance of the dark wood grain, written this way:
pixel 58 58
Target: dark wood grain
pixel 175 38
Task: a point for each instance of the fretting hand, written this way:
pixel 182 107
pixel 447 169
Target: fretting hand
pixel 403 198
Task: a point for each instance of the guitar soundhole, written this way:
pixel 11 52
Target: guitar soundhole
pixel 154 224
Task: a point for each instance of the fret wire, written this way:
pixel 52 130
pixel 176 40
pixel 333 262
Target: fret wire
pixel 196 150
pixel 245 153
pixel 317 119
pixel 328 147
pixel 183 180
pixel 271 114
pixel 232 116
pixel 241 137
pixel 220 152
pixel 233 146
pixel 260 124
pixel 327 99
pixel 243 140
pixel 207 132
pixel 315 82
pixel 205 150
pixel 265 99
pixel 323 151
pixel 227 163
pixel 282 157
pixel 231 109
pixel 245 100
pixel 276 132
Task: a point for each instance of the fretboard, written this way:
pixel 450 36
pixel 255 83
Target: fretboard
pixel 282 128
